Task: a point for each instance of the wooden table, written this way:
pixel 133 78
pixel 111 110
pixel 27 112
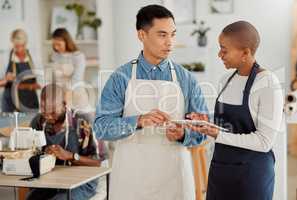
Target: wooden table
pixel 62 177
pixel 200 169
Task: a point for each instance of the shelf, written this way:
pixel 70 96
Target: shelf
pixel 78 42
pixel 180 46
pixel 88 65
pixel 92 63
pixel 92 66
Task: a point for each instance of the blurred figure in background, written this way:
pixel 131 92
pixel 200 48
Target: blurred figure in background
pixel 69 68
pixel 19 81
pixel 69 137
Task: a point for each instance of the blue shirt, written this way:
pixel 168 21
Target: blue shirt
pixel 110 124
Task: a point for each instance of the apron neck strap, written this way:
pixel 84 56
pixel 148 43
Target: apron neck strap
pixel 66 133
pixel 250 82
pixel 172 70
pixel 225 86
pixel 134 66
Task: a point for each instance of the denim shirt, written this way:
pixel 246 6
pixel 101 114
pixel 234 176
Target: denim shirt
pixel 110 124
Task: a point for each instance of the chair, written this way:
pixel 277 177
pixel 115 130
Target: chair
pixel 22 192
pixel 200 169
pixel 101 190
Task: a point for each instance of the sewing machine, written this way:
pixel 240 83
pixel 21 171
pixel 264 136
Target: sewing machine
pixel 21 166
pixel 24 143
pixel 290 107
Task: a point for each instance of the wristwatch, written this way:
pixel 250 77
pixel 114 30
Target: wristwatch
pixel 76 157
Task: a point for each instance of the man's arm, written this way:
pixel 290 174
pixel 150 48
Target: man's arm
pixel 110 124
pixel 197 104
pixel 86 161
pixel 65 155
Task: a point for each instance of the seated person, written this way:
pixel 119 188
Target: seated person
pixel 69 137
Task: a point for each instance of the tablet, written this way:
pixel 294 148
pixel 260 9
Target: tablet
pixel 198 123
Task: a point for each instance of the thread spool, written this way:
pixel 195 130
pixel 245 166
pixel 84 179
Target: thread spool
pixel 291 97
pixel 290 108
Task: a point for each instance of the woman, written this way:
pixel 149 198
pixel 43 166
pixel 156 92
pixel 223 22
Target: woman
pixel 19 82
pixel 250 107
pixel 69 68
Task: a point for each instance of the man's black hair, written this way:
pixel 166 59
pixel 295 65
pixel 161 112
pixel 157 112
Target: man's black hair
pixel 147 14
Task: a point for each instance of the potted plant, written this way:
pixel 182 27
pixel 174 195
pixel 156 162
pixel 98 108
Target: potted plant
pixel 88 23
pixel 194 67
pixel 198 67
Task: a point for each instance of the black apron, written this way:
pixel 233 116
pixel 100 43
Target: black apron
pixel 236 173
pixel 21 100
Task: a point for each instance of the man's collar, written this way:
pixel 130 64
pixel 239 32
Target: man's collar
pixel 148 66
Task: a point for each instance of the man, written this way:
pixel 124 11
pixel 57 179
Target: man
pixel 69 138
pixel 151 160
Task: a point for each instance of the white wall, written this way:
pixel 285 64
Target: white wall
pixel 29 22
pixel 126 43
pixel 271 17
pixel 105 12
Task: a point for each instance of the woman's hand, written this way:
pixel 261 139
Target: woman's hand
pixel 197 116
pixel 206 130
pixel 10 77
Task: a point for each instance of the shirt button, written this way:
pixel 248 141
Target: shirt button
pixel 154 68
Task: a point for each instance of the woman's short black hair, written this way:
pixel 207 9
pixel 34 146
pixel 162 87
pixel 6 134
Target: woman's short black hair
pixel 245 34
pixel 147 14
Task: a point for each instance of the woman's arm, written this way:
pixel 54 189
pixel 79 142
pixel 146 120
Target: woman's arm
pixel 9 77
pixel 267 108
pixel 3 82
pixel 269 112
pixel 29 86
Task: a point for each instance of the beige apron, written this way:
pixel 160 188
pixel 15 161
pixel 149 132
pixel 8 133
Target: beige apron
pixel 77 96
pixel 146 165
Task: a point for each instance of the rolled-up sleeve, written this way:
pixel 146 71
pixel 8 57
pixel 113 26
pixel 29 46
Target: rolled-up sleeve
pixel 110 124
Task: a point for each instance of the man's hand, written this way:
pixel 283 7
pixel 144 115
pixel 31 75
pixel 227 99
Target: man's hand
pixel 59 152
pixel 175 132
pixel 153 118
